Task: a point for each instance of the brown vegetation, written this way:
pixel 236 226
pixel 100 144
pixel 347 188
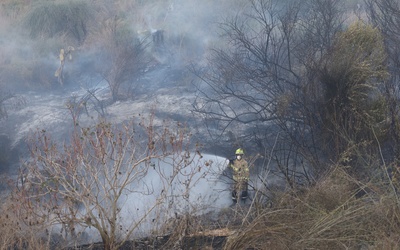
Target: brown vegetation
pixel 339 212
pixel 315 96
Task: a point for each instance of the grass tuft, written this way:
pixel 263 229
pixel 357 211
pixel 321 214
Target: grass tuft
pixel 329 215
pixel 49 19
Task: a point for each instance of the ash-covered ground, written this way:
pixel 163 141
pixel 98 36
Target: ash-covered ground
pixel 161 92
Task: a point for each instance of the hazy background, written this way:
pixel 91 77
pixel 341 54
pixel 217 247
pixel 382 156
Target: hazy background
pixel 34 99
pixel 29 57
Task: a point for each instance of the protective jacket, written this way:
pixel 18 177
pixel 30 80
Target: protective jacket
pixel 240 170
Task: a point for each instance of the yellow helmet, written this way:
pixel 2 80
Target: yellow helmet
pixel 239 151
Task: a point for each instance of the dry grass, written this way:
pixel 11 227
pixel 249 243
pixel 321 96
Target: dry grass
pixel 49 19
pixel 14 233
pixel 326 216
pixel 329 215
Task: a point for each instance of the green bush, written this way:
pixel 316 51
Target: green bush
pixel 51 19
pixel 352 77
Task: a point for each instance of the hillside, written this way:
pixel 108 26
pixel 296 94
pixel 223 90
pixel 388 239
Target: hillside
pixel 121 123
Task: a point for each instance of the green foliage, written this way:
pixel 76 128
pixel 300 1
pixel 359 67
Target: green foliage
pixel 49 19
pixel 363 49
pixel 355 64
pixel 351 76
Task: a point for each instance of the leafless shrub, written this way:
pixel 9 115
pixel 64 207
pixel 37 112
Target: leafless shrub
pixel 319 94
pixel 14 234
pixel 123 55
pixel 77 105
pixel 10 102
pixel 84 184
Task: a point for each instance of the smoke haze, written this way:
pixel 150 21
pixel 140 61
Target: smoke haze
pixel 27 69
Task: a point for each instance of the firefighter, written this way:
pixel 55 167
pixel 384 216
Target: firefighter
pixel 63 54
pixel 240 176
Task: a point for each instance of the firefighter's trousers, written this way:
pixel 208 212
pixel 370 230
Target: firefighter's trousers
pixel 239 190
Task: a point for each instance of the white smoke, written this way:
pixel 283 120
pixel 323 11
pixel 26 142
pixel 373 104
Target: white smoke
pixel 197 189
